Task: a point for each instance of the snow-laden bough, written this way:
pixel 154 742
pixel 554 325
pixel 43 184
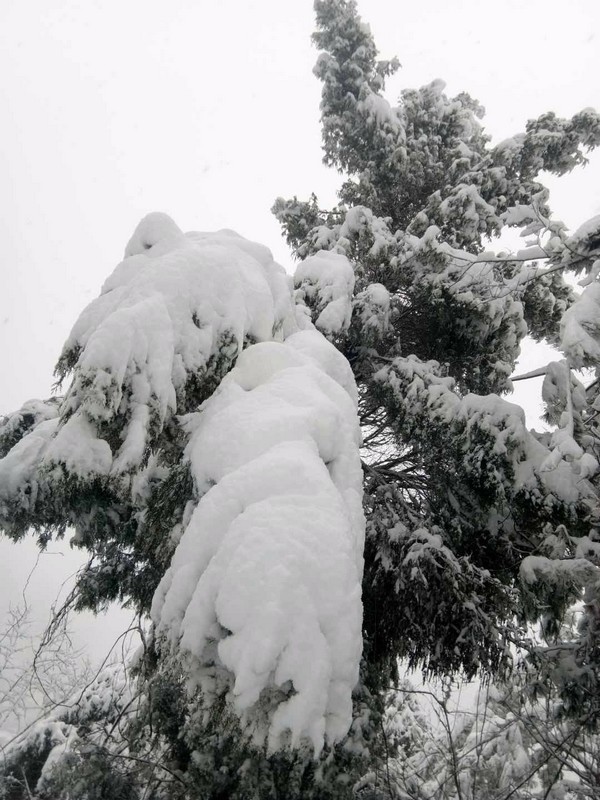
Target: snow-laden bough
pixel 195 351
pixel 263 592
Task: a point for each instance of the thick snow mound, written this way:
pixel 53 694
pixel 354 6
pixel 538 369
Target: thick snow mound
pixel 263 593
pixel 262 601
pixel 168 324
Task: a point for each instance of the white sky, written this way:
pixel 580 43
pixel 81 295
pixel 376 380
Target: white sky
pixel 208 111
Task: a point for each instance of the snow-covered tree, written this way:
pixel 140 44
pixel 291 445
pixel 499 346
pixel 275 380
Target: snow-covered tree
pixel 206 452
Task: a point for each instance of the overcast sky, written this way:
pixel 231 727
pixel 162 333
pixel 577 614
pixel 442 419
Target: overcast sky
pixel 208 111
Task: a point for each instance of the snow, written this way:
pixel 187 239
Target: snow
pixel 60 748
pixel 263 592
pixel 24 437
pixel 535 468
pixel 315 347
pixel 592 275
pixel 372 306
pixel 262 600
pixel 580 329
pixel 378 296
pixel 156 227
pixel 18 469
pixel 556 571
pixel 531 253
pixel 518 215
pixel 327 279
pixel 377 110
pixel 513 144
pixel 77 447
pixel 55 735
pixel 177 307
pixel 360 220
pixel 586 238
pixel 467 198
pixel 588 548
pixel 565 399
pixel 31 413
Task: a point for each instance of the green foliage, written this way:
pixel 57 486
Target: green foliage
pixel 457 492
pixel 445 471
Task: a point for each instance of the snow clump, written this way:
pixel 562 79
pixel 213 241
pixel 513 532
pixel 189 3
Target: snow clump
pixel 265 583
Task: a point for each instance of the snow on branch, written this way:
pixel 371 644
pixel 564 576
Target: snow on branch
pixel 264 590
pixel 168 325
pixel 516 460
pixel 580 329
pixel 176 309
pixel 262 599
pixel 325 281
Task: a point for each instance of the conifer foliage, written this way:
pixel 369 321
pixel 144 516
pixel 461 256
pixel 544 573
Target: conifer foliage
pixel 207 455
pixel 464 505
